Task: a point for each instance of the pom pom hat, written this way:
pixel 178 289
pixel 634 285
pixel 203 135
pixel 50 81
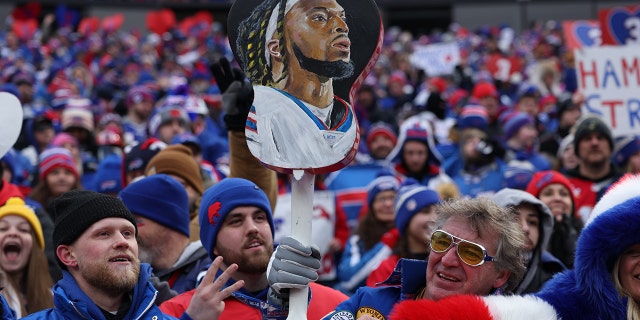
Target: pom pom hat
pixel 221 199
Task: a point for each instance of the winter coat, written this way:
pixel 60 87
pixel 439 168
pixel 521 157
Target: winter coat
pixel 242 306
pixel 72 303
pixel 406 282
pixel 542 265
pixel 356 264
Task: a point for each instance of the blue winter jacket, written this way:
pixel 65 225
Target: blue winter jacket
pixel 406 281
pixel 72 303
pixel 7 312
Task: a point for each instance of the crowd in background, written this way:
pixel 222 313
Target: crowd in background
pixel 98 106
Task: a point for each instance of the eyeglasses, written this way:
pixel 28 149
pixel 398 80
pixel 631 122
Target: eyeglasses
pixel 469 252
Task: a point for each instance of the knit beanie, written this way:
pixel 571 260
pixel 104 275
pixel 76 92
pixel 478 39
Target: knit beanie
pixel 139 155
pixel 16 206
pixel 223 197
pixel 160 198
pixel 591 125
pixel 77 117
pixel 379 184
pixel 177 160
pixel 409 201
pixel 625 147
pixel 517 174
pixel 473 116
pixel 108 178
pixel 75 211
pixel 542 179
pixel 512 123
pixel 56 157
pixel 484 89
pixel 63 138
pixel 167 114
pixel 381 128
pixel 139 94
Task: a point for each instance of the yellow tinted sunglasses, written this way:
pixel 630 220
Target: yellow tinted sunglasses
pixel 469 252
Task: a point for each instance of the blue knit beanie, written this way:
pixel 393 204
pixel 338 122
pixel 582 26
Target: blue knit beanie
pixel 379 184
pixel 160 198
pixel 513 121
pixel 223 197
pixel 108 178
pixel 409 201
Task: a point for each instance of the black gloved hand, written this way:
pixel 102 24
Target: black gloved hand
pixel 237 94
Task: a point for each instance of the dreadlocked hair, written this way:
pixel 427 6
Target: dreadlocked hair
pixel 251 41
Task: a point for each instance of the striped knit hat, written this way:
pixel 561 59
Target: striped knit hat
pixel 54 158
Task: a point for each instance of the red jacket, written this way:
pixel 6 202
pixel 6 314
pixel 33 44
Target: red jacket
pixel 323 301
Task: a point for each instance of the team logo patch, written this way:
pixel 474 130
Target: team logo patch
pixel 343 315
pixel 411 205
pixel 370 312
pixel 213 212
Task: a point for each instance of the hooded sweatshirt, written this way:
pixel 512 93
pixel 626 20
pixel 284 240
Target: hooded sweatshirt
pixel 541 265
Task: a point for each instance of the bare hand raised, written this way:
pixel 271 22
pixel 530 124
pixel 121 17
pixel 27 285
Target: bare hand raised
pixel 208 300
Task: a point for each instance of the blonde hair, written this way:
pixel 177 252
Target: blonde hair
pixel 633 310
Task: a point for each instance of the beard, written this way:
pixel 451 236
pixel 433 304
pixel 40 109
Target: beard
pixel 250 264
pixel 329 69
pixel 147 254
pixel 118 281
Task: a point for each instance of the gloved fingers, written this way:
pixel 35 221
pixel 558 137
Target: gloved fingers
pixel 221 71
pixel 315 252
pixel 294 245
pixel 238 75
pixel 230 98
pixel 300 276
pixel 297 259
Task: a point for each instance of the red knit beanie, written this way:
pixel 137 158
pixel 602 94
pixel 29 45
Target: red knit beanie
pixel 544 178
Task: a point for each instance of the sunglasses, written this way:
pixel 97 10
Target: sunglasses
pixel 469 252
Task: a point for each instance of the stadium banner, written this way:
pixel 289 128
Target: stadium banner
pixel 582 33
pixel 436 59
pixel 609 77
pixel 620 25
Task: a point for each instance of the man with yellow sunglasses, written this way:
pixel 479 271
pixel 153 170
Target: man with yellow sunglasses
pixel 477 249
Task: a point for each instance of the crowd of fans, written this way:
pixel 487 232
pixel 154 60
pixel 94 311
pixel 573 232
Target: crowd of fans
pixel 98 107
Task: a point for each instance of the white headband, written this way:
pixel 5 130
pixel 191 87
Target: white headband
pixel 271 27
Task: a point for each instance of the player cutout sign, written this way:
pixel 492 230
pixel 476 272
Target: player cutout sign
pixel 299 56
pixel 610 79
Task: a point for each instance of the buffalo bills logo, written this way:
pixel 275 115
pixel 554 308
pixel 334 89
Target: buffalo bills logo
pixel 544 180
pixel 214 213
